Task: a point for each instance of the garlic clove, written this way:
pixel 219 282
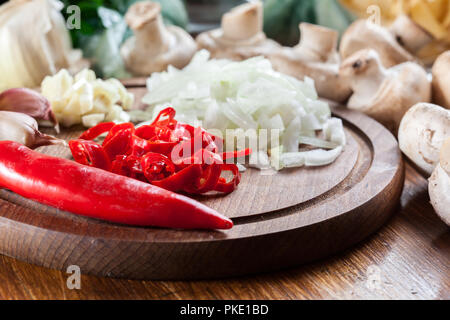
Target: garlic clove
pixel 29 102
pixel 22 128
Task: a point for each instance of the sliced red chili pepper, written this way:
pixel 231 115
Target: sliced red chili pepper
pixel 228 187
pixel 99 129
pixel 119 144
pixel 129 166
pixel 177 181
pixel 236 154
pixel 170 114
pixel 156 166
pixel 162 147
pixel 206 181
pixel 90 153
pixel 178 157
pixel 118 128
pixel 146 132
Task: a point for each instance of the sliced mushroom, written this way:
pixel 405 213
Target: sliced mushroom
pixel 154 46
pixel 441 80
pixel 363 34
pixel 384 94
pixel 422 132
pixel 439 184
pixel 409 34
pixel 315 56
pixel 241 35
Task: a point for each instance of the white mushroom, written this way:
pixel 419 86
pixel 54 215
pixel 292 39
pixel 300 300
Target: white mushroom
pixel 439 184
pixel 409 34
pixel 315 56
pixel 241 35
pixel 422 132
pixel 441 80
pixel 154 46
pixel 384 94
pixel 364 34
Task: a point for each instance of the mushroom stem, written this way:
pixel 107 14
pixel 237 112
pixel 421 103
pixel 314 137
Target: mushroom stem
pixel 145 20
pixel 243 22
pixel 317 43
pixel 154 46
pixel 366 74
pixel 409 34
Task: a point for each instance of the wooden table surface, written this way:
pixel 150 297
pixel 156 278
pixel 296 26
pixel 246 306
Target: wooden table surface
pixel 409 258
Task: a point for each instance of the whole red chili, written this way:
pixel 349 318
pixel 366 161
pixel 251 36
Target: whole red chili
pixel 100 194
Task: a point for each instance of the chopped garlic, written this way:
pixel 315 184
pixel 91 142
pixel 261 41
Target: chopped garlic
pixel 84 99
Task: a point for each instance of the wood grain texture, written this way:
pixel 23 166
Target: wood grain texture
pixel 410 254
pixel 344 204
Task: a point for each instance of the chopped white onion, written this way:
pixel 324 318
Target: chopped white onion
pixel 250 95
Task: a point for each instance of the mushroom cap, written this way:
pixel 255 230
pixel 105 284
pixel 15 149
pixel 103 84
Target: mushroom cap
pixel 317 58
pixel 243 22
pixel 444 156
pixel 141 13
pixel 318 43
pixel 221 47
pixel 394 91
pixel 363 34
pixel 329 84
pixel 241 35
pixel 154 46
pixel 179 53
pixel 422 132
pixel 439 184
pixel 441 80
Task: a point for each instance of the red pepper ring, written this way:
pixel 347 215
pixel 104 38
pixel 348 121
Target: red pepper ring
pixel 119 144
pixel 99 129
pixel 169 113
pixel 228 187
pixel 118 128
pixel 156 166
pixel 207 181
pixel 90 153
pixel 177 181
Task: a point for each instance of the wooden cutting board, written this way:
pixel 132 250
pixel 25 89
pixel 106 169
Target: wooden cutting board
pixel 281 219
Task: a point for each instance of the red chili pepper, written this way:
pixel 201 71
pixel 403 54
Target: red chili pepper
pixel 236 154
pixel 89 153
pixel 119 143
pixel 177 181
pixel 227 187
pixel 156 166
pixel 99 194
pixel 166 153
pixel 99 129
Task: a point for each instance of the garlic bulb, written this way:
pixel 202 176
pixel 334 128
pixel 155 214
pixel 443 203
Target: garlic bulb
pixel 21 128
pixel 34 42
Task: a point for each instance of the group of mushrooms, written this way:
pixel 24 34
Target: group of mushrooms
pixel 374 70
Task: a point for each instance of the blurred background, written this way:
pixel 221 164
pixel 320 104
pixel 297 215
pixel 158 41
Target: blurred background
pixel 103 28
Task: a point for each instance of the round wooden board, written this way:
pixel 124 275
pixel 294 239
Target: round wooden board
pixel 281 220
